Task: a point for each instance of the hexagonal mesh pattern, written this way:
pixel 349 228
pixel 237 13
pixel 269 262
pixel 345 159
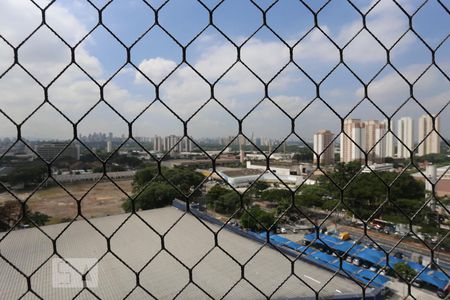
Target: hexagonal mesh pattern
pixel 315 39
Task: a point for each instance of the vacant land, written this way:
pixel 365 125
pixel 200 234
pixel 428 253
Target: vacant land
pixel 103 200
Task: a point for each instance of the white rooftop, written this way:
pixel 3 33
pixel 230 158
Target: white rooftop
pixel 164 277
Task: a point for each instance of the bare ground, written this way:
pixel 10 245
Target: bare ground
pixel 103 200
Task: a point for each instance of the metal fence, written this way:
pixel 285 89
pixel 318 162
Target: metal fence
pixel 264 11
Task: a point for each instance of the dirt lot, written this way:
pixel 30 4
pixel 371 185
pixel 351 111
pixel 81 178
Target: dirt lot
pixel 105 199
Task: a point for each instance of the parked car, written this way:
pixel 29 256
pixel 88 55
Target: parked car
pixel 373 269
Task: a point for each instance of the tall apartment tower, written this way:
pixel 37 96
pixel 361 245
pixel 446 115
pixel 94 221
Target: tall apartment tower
pixel 170 142
pixel 375 145
pixel 368 136
pixel 388 139
pixel 432 143
pixel 355 129
pixel 405 133
pixel 322 140
pixel 157 143
pixel 186 145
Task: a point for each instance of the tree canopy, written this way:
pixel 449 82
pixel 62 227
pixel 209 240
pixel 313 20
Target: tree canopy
pixel 261 219
pixel 223 200
pixel 152 191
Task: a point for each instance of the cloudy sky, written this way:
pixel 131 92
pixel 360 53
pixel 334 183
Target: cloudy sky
pixel 155 56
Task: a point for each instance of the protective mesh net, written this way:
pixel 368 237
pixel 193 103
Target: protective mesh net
pixel 321 79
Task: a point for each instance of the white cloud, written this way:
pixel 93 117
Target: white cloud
pixel 184 91
pixel 155 68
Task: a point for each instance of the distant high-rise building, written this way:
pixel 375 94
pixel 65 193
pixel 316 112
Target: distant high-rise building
pixel 431 143
pixel 405 133
pixel 389 139
pixel 157 143
pixel 355 129
pixel 363 137
pixel 109 146
pixel 186 145
pixel 374 144
pixel 170 143
pixel 323 142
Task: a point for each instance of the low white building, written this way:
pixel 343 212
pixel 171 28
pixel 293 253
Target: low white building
pixel 245 177
pixel 386 167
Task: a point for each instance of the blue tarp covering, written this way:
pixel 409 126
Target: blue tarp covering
pixel 436 278
pixel 326 260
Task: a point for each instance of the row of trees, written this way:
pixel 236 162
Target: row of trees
pixel 152 190
pixel 364 195
pixel 226 201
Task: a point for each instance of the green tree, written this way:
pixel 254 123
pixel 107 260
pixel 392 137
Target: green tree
pixel 261 219
pixel 156 195
pixel 276 195
pixel 227 203
pixel 183 178
pixel 311 196
pixel 283 204
pixel 367 191
pixel 215 193
pixel 304 154
pixel 143 177
pixel 29 174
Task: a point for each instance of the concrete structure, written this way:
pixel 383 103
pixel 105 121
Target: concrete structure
pixel 431 143
pixel 109 147
pixel 49 151
pixel 405 133
pixel 135 243
pixel 324 146
pixel 388 139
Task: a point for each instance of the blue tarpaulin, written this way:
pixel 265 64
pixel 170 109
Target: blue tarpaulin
pixel 328 261
pixel 376 257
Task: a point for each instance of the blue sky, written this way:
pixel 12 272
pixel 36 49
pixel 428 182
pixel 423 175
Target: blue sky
pixel 211 54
